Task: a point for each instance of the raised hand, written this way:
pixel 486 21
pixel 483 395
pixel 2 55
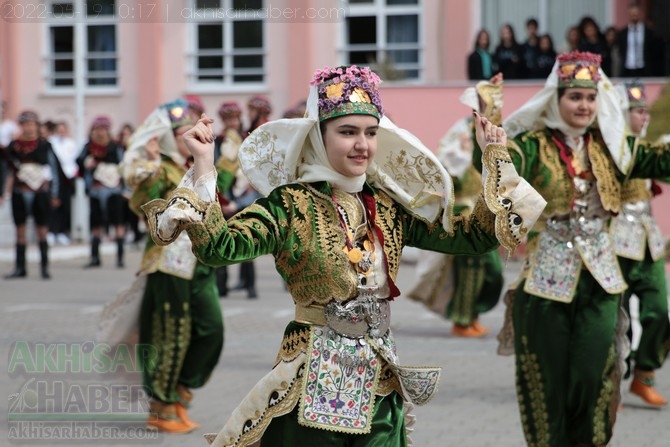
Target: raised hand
pixel 200 139
pixel 488 133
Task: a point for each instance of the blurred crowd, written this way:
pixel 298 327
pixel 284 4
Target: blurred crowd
pixel 634 50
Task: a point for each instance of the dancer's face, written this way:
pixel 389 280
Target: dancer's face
pixel 638 118
pixel 351 143
pixel 578 106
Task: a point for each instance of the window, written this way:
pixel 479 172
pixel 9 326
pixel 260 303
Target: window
pixel 228 43
pixel 384 34
pixel 99 53
pixel 554 17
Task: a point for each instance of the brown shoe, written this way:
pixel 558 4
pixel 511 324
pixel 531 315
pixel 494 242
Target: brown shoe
pixel 460 330
pixel 163 417
pixel 643 387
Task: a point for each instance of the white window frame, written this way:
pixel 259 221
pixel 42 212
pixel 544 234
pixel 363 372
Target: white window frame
pixel 79 22
pixel 381 10
pixel 228 52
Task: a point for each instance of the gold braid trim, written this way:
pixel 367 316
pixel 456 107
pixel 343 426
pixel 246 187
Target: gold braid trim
pixel 556 185
pixel 606 407
pixel 212 225
pixel 280 402
pixel 604 169
pixel 538 417
pixel 492 96
pixel 180 198
pixel 635 190
pixel 293 345
pixel 226 165
pixel 494 156
pixel 485 218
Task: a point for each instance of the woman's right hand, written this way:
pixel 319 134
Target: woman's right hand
pixel 200 139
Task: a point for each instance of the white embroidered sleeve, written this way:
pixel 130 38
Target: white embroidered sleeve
pixel 516 204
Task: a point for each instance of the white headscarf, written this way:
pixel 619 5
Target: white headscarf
pixel 291 150
pixel 542 111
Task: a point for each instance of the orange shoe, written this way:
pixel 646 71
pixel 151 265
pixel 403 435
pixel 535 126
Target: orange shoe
pixel 185 397
pixel 163 417
pixel 183 415
pixel 478 327
pixel 460 330
pixel 643 387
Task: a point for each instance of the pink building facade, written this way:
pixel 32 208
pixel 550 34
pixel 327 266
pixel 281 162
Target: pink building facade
pixel 72 60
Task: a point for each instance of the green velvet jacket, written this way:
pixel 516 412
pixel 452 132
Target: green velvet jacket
pixel 299 225
pixel 537 159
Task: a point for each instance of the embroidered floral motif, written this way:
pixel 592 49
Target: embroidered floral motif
pixel 340 384
pixel 604 169
pixel 554 272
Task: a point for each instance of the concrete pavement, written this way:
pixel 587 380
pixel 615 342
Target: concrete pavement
pixel 475 405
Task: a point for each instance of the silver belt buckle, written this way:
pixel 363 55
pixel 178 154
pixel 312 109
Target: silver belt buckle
pixel 364 315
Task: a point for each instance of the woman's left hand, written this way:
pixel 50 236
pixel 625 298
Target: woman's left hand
pixel 488 133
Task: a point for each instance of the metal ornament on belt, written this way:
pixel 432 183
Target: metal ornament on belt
pixel 364 315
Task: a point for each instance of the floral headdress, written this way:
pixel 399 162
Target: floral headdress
pixel 348 91
pixel 578 69
pixel 636 95
pixel 180 114
pixel 28 115
pixel 260 103
pixel 101 121
pixel 229 109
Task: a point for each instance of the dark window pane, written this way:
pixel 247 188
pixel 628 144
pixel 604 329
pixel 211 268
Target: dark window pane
pixel 248 78
pixel 201 4
pixel 62 38
pixel 402 2
pixel 361 30
pixel 403 56
pixel 247 4
pixel 402 29
pixel 210 37
pixel 248 34
pixel 62 9
pixel 410 74
pixel 96 65
pixel 102 38
pixel 362 57
pixel 353 2
pixel 248 61
pixel 96 8
pixel 210 62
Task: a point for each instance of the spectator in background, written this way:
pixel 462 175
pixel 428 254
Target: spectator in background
pixel 99 166
pixel 546 57
pixel 9 131
pixel 592 40
pixel 613 51
pixel 34 189
pixel 638 46
pixel 47 129
pixel 530 49
pixel 572 38
pixel 132 219
pixel 508 55
pixel 66 151
pixel 480 61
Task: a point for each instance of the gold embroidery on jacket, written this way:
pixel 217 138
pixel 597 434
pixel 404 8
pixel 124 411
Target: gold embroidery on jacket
pixel 604 169
pixel 606 406
pixel 293 345
pixel 555 186
pixel 635 190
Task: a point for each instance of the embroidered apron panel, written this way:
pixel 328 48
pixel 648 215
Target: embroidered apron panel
pixel 419 383
pixel 599 257
pixel 340 382
pixel 629 237
pixel 655 238
pixel 177 258
pixel 554 271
